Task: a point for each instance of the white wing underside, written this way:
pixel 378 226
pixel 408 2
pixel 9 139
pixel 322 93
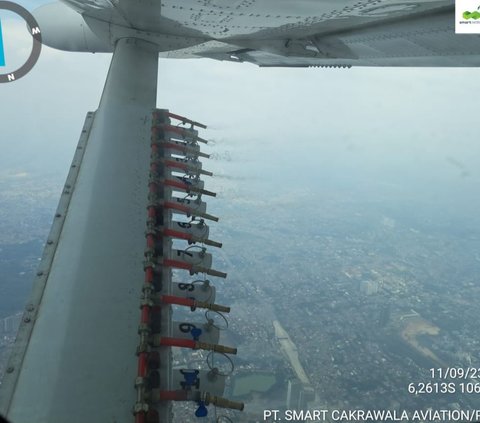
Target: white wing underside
pixel 301 33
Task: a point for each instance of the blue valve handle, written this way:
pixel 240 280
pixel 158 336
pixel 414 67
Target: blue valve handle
pixel 196 332
pixel 202 411
pixel 191 379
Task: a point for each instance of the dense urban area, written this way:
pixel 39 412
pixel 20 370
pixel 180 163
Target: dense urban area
pixel 338 301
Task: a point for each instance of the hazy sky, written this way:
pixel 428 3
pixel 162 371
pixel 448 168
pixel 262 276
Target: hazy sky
pixel 419 126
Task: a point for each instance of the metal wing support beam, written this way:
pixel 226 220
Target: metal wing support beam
pixel 77 343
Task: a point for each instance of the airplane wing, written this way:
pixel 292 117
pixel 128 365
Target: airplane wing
pixel 380 33
pixel 284 33
pixel 426 40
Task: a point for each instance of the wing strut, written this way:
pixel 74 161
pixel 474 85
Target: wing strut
pixel 79 335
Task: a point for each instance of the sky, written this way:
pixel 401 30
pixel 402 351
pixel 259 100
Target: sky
pixel 408 129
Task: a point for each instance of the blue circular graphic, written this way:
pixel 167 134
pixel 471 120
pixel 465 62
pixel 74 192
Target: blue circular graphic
pixel 34 31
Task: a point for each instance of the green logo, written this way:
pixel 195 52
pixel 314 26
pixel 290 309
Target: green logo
pixel 471 15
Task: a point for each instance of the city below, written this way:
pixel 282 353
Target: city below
pixel 338 306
